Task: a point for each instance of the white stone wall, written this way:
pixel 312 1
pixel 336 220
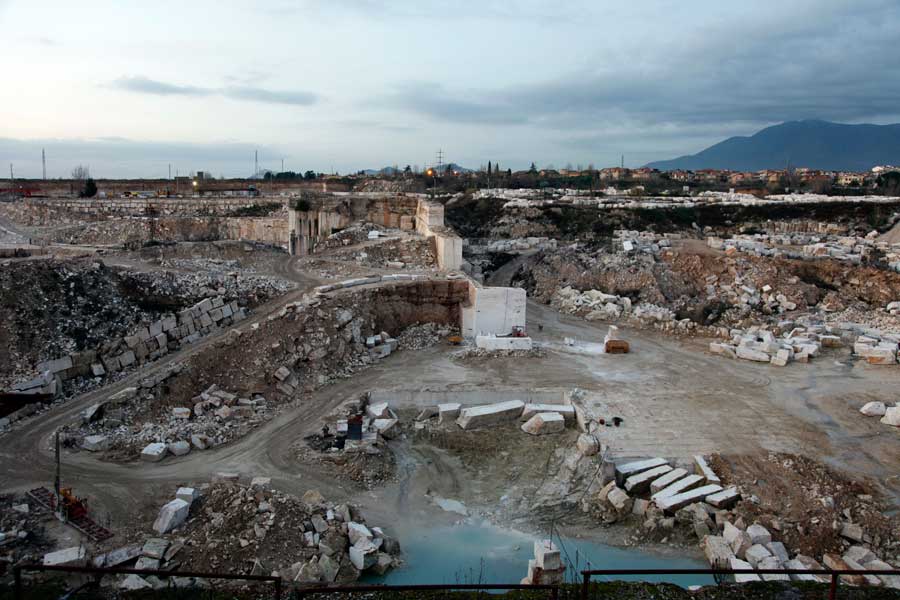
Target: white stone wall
pixel 493 310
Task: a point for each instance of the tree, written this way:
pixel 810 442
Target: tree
pixel 407 169
pixel 489 168
pixel 90 188
pixel 509 171
pixel 309 175
pixel 533 169
pixel 81 172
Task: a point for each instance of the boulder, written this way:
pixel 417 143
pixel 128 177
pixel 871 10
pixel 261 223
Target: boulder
pixel 873 409
pixel 181 413
pixel 778 551
pixel 171 516
pixel 587 444
pixel 566 410
pixel 624 471
pixel 378 411
pixel 859 554
pixel 619 500
pixel 92 412
pixel 179 448
pixel 640 482
pixel 544 423
pixel 852 532
pixel 387 427
pixel 363 554
pixel 154 452
pixel 759 534
pixel 772 563
pixel 836 563
pixel 383 563
pixel 724 499
pixel 357 532
pixel 547 556
pixel 200 441
pixel 329 568
pixel 155 548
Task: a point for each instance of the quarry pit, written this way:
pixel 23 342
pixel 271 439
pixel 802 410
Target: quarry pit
pixel 342 366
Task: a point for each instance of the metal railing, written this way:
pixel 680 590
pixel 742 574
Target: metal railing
pixel 552 590
pixel 833 574
pixel 101 571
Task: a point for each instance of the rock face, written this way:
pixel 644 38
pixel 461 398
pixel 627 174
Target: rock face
pixel 544 423
pixel 171 516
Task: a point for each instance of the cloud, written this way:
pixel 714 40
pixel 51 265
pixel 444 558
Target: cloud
pixel 775 66
pixel 261 95
pixel 144 85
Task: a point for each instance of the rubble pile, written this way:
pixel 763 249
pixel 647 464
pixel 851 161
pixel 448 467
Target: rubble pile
pixel 133 421
pixel 668 500
pixel 800 342
pixel 229 388
pixel 393 253
pixel 350 236
pixel 595 305
pixel 240 528
pixel 212 265
pixel 77 319
pixel 804 246
pixel 21 530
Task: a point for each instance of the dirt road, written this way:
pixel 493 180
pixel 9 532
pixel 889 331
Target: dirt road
pixel 677 400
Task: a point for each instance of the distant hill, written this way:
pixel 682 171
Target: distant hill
pixel 813 144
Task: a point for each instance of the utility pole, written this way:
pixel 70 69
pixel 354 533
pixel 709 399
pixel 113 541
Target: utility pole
pixel 56 488
pixel 44 163
pixel 11 178
pixel 256 163
pixel 282 165
pixel 623 161
pixel 170 170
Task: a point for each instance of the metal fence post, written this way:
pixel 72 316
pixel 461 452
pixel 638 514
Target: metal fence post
pixel 278 589
pixel 554 593
pixel 17 576
pixel 584 585
pixel 832 591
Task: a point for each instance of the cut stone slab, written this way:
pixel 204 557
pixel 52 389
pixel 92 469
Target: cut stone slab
pixel 852 532
pixel 95 411
pixel 76 555
pixel 387 427
pixel 718 553
pixel 860 554
pixel 891 581
pixel 546 555
pixel 701 467
pixel 626 470
pixel 171 516
pixel 873 409
pixel 566 410
pixel 181 413
pixel 737 564
pixel 778 551
pixel 95 443
pixel 811 564
pixel 545 423
pixel 670 504
pixel 870 579
pixel 799 566
pixel 667 480
pixel 148 564
pixel 724 499
pixel 118 556
pixel 187 494
pixel 133 583
pixel 772 562
pixel 836 563
pixel 155 548
pixel 759 534
pixel 739 541
pixel 892 416
pixel 490 414
pixel 448 412
pixel 154 452
pixel 682 485
pixel 640 483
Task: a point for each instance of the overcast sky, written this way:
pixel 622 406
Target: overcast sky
pixel 129 87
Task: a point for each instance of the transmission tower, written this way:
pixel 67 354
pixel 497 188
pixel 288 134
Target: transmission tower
pixel 440 161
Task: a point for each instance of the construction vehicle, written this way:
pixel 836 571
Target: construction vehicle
pixel 517 332
pixel 455 340
pixel 69 508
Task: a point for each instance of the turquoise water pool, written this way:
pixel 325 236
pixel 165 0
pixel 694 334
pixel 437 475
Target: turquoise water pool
pixel 473 553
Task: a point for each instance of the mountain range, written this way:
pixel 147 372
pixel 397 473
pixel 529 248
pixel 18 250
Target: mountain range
pixel 810 143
